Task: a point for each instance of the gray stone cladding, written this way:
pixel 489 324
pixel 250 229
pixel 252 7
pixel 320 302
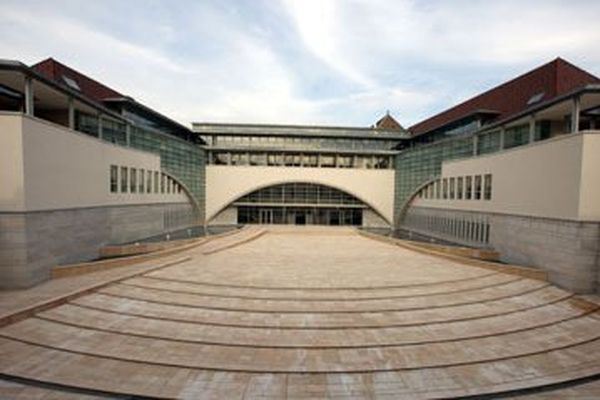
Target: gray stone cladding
pixel 32 243
pixel 568 250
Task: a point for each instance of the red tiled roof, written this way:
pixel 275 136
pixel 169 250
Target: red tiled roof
pixel 553 79
pixel 91 88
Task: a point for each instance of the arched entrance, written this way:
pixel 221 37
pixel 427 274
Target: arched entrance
pixel 300 204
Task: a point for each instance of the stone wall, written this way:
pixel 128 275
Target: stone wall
pixel 32 243
pixel 568 250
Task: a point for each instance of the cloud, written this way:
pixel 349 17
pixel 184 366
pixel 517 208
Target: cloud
pixel 301 61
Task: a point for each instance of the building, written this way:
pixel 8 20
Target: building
pixel 513 169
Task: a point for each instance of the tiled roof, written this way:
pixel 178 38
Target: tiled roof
pixel 388 122
pixel 90 88
pixel 548 81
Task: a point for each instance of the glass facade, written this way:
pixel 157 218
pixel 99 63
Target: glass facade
pixel 419 164
pixel 297 142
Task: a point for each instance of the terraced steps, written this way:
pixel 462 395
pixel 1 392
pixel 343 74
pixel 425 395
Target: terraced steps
pixel 253 315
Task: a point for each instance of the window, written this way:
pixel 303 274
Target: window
pixel 155 181
pixel 487 187
pixel 149 182
pixel 328 161
pixel 162 183
pixel 142 180
pixel 452 183
pixel 72 83
pixel 477 192
pixel 445 188
pixel 469 187
pixel 345 161
pixel 114 179
pixel 133 180
pixel 310 160
pixel 437 189
pixel 459 189
pixel 124 180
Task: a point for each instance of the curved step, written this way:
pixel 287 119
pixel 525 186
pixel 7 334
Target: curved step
pixel 233 358
pixel 506 289
pixel 502 306
pixel 311 338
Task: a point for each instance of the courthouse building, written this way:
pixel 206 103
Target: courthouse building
pixel 515 169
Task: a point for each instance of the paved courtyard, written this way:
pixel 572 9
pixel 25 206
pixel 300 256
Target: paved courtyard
pixel 275 313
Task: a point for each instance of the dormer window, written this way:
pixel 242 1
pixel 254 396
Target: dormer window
pixel 535 98
pixel 71 83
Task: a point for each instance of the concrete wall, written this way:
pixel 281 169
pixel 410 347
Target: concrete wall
pixel 55 201
pixel 32 243
pixel 225 184
pixel 543 179
pixel 45 167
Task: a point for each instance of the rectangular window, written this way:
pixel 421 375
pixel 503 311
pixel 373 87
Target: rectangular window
pixel 328 161
pixel 477 191
pixel 469 187
pixel 437 189
pixel 459 189
pixel 142 180
pixel 487 187
pixel 162 183
pixel 155 181
pixel 114 179
pixel 149 182
pixel 452 183
pixel 133 180
pixel 445 188
pixel 124 179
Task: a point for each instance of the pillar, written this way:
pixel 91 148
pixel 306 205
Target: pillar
pixel 532 128
pixel 475 144
pixel 71 113
pixel 99 126
pixel 29 96
pixel 576 110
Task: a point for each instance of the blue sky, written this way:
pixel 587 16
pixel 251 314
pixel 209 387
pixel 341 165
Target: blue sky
pixel 340 62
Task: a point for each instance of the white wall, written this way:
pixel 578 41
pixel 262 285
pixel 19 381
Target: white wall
pixel 556 178
pixel 225 184
pixel 65 169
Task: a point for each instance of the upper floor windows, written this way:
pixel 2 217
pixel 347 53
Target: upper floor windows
pixel 475 187
pixel 133 180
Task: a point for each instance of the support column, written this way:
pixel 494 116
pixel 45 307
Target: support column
pixel 532 129
pixel 71 113
pixel 576 110
pixel 128 135
pixel 29 96
pixel 475 144
pixel 502 133
pixel 99 126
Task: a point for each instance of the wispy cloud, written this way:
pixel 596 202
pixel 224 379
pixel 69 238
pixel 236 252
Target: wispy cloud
pixel 301 61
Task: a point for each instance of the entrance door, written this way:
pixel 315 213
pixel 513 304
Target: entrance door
pixel 300 218
pixel 265 216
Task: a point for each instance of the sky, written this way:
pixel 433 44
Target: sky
pixel 314 62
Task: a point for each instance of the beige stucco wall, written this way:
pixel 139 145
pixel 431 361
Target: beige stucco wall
pixel 225 184
pixel 589 201
pixel 64 169
pixel 11 163
pixel 556 178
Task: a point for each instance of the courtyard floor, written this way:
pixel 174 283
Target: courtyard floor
pixel 300 312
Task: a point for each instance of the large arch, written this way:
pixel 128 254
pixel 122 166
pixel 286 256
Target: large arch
pixel 226 184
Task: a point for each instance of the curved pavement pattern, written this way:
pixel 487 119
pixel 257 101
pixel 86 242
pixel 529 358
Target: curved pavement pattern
pixel 308 313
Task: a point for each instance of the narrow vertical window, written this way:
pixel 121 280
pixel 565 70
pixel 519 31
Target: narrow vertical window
pixel 477 192
pixel 142 181
pixel 149 182
pixel 445 188
pixel 114 179
pixel 459 188
pixel 452 188
pixel 162 183
pixel 437 189
pixel 124 180
pixel 133 180
pixel 487 187
pixel 155 181
pixel 469 187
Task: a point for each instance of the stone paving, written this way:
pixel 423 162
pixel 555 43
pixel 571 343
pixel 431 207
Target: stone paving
pixel 308 313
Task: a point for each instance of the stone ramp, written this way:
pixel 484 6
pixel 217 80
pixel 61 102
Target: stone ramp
pixel 229 323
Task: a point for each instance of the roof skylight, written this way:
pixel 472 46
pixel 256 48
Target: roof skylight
pixel 535 98
pixel 71 83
